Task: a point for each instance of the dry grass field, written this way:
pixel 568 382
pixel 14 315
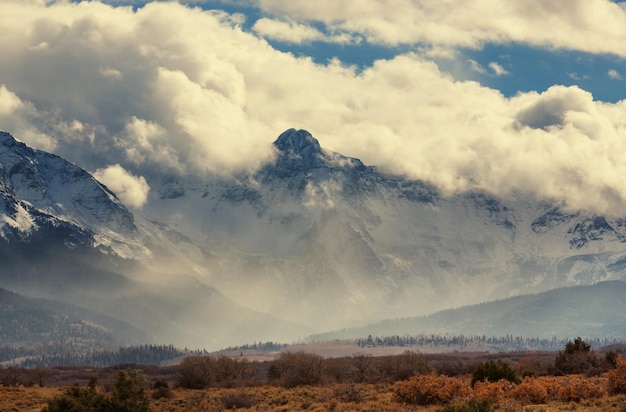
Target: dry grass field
pixel 337 397
pixel 365 397
pixel 26 399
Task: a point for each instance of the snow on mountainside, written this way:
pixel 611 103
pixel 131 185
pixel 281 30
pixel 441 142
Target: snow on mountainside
pixel 312 239
pixel 66 238
pixel 320 238
pixel 43 192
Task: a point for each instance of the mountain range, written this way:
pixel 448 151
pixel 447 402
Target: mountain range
pixel 311 241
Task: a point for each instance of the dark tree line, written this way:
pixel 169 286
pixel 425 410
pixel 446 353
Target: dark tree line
pixel 462 342
pixel 73 354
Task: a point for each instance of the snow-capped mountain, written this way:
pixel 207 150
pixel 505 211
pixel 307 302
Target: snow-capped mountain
pixel 67 238
pixel 320 238
pixel 313 239
pixel 42 194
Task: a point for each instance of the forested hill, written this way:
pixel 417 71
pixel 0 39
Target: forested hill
pixel 43 332
pixel 592 311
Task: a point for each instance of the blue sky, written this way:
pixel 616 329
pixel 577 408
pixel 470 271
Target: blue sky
pixel 494 95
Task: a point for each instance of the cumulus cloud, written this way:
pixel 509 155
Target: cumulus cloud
pixel 497 69
pixel 477 67
pixel 167 89
pixel 595 26
pixel 614 74
pixel 553 107
pixel 132 190
pixel 20 118
pixel 293 32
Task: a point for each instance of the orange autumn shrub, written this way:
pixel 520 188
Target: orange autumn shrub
pixel 530 391
pixel 492 391
pixel 430 389
pixel 579 389
pixel 616 378
pixel 553 387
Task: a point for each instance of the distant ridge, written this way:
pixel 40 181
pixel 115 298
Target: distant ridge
pixel 594 310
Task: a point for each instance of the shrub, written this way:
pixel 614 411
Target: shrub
pixel 610 357
pixel 403 366
pixel 348 393
pixel 200 372
pixel 430 389
pixel 616 378
pixel 11 376
pixel 195 372
pixel 296 369
pixel 161 389
pixel 494 392
pixel 493 372
pixel 452 368
pixel 579 389
pixel 127 396
pixel 363 364
pixel 129 393
pixel 576 358
pixel 337 370
pixel 235 400
pixel 530 391
pixel 77 399
pixel 230 373
pixel 535 366
pixel 553 387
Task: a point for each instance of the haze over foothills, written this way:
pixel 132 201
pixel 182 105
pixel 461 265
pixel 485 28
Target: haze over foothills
pixel 507 97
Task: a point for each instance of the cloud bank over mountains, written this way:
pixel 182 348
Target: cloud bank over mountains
pixel 167 88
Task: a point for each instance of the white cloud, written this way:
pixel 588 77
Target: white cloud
pixel 111 73
pixel 477 67
pixel 614 74
pixel 132 190
pixel 168 89
pixel 497 69
pixel 595 26
pixel 438 52
pixel 293 32
pixel 578 77
pixel 20 118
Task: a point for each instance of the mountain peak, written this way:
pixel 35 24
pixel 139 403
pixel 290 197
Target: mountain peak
pixel 298 150
pixel 298 142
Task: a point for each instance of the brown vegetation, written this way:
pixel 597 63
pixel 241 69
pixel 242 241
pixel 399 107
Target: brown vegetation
pixel 300 381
